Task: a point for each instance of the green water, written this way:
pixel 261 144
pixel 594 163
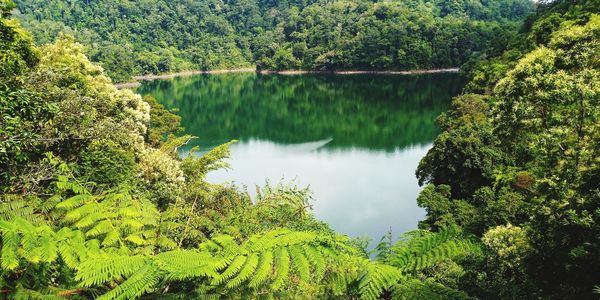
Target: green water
pixel 356 140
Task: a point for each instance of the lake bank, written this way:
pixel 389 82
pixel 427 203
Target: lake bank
pixel 136 80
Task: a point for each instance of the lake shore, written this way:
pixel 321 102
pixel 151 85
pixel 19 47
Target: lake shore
pixel 136 79
pixel 353 72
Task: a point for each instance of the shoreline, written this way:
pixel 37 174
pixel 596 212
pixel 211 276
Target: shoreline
pixel 136 79
pixel 354 72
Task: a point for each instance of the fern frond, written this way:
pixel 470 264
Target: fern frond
pixel 263 270
pixel 100 228
pixel 231 270
pixel 186 264
pixel 245 272
pixel 300 262
pixel 427 249
pixel 317 260
pixel 75 201
pixel 427 289
pixel 214 159
pixel 136 239
pixel 282 270
pixel 72 247
pixel 98 270
pixel 376 279
pixel 18 206
pixel 26 294
pixel 10 246
pixel 142 281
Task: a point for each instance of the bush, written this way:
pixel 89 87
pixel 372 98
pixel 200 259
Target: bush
pixel 105 163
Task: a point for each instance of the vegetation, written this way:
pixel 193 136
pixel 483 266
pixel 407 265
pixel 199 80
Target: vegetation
pixel 132 38
pixel 519 165
pixel 95 201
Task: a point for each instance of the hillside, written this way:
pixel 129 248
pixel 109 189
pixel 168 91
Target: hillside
pixel 141 37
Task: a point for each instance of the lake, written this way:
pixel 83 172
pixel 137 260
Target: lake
pixel 356 140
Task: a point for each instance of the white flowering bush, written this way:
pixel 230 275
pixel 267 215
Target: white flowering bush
pixel 509 244
pixel 91 106
pixel 156 166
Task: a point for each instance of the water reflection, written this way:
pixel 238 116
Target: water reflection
pixel 378 112
pixel 356 140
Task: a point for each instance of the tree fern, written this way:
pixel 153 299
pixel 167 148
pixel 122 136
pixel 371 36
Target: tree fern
pixel 142 281
pixel 22 240
pixel 245 272
pixel 426 289
pixel 375 278
pixel 282 269
pixel 425 249
pixel 116 219
pixel 99 270
pixel 221 261
pixel 113 243
pixel 263 269
pixel 24 207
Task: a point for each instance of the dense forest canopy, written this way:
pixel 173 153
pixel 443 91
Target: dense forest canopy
pixel 139 37
pixel 95 201
pixel 520 165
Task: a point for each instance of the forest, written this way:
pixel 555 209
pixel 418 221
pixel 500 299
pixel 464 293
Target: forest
pixel 159 36
pixel 95 201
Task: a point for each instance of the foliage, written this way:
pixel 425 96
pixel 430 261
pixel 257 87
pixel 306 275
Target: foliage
pixel 106 207
pixel 509 243
pixel 467 148
pixel 534 164
pixel 106 164
pixel 96 202
pixel 163 123
pixel 419 256
pixel 168 36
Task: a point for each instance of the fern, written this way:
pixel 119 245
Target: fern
pixel 142 281
pixel 22 240
pixel 263 269
pixel 427 289
pixel 377 278
pixel 245 272
pixel 283 268
pixel 221 261
pixel 99 270
pixel 425 249
pixel 273 258
pixel 116 219
pixel 113 242
pixel 24 207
